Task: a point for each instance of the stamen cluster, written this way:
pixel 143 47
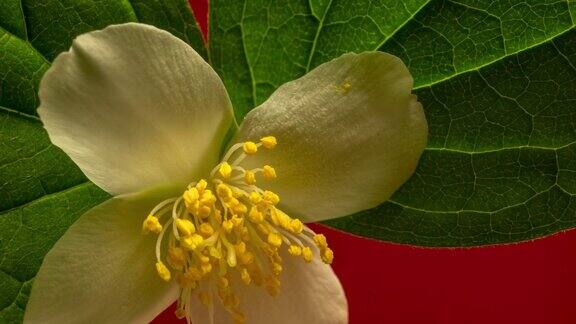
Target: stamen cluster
pixel 226 231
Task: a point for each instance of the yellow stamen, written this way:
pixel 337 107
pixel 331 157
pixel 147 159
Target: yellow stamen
pixel 269 172
pixel 163 271
pixel 249 177
pixel 225 170
pixel 176 257
pixel 151 225
pixel 185 227
pixel 320 241
pixel 224 192
pixel 206 229
pixel 275 239
pixel 328 256
pixel 296 226
pixel 255 215
pixel 191 196
pixel 269 142
pixel 201 185
pixel 192 242
pixel 226 232
pixel 295 250
pixel 307 254
pixel 250 148
pixel 271 197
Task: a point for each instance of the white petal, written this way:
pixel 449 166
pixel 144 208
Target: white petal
pixel 349 134
pixel 135 107
pixel 102 270
pixel 310 293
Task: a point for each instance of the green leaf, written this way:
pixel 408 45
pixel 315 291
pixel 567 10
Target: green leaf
pixel 42 190
pixel 496 79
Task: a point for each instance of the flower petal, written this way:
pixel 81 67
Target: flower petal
pixel 349 134
pixel 310 293
pixel 102 270
pixel 135 107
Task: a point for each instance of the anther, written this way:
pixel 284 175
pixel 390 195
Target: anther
pixel 307 254
pixel 250 148
pixel 295 250
pixel 249 177
pixel 206 230
pixel 224 192
pixel 274 239
pixel 185 227
pixel 269 172
pixel 271 197
pixel 269 142
pixel 320 241
pixel 225 170
pixel 328 256
pixel 163 271
pixel 190 196
pixel 176 257
pixel 192 242
pixel 201 185
pixel 151 225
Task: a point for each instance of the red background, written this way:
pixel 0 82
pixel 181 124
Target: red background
pixel 530 282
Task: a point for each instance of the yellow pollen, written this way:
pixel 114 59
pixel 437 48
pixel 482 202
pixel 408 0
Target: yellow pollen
pixel 271 197
pixel 190 196
pixel 192 242
pixel 328 256
pixel 151 225
pixel 269 142
pixel 228 226
pixel 176 258
pixel 225 170
pixel 296 226
pixel 320 241
pixel 185 227
pixel 207 198
pixel 201 185
pixel 249 177
pixel 307 254
pixel 240 209
pixel 204 211
pixel 295 250
pixel 250 148
pixel 275 239
pixel 255 198
pixel 269 172
pixel 163 271
pixel 224 191
pixel 228 233
pixel 206 229
pixel 255 215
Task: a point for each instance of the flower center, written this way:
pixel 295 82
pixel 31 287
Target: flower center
pixel 225 232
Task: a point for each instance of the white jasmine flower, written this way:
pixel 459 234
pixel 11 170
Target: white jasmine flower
pixel 216 224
